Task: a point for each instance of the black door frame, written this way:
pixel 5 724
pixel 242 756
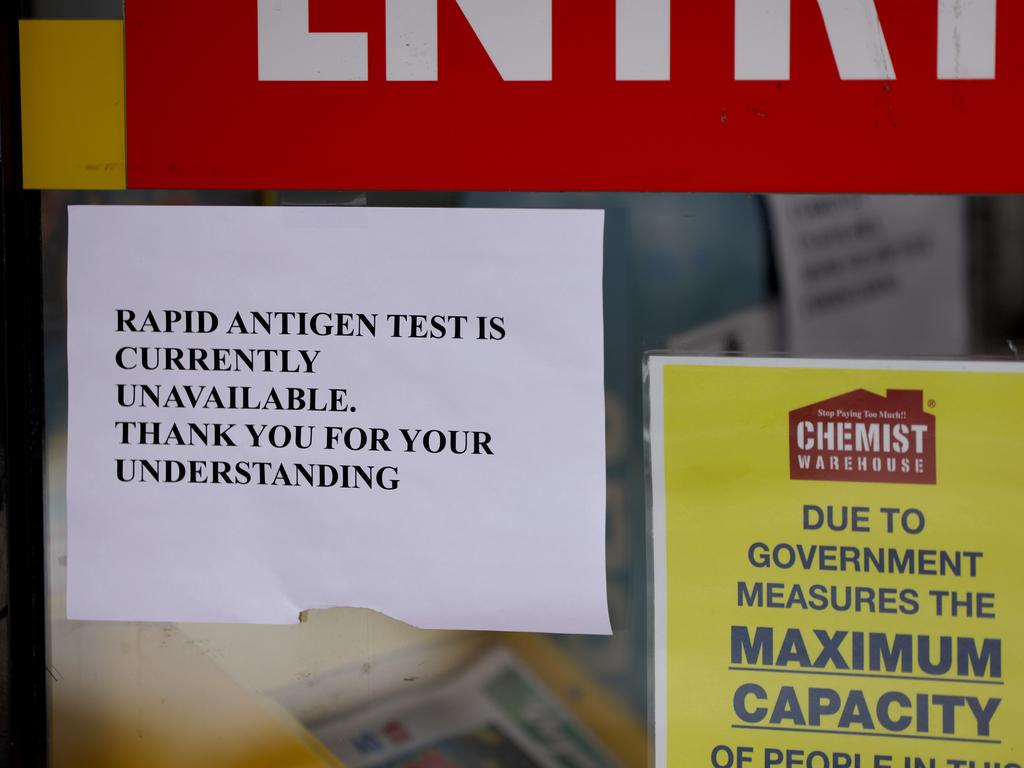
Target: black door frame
pixel 23 708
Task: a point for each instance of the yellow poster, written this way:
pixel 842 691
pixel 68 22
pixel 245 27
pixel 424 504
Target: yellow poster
pixel 838 563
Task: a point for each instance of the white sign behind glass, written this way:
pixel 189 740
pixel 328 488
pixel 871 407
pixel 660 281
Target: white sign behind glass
pixel 279 409
pixel 873 274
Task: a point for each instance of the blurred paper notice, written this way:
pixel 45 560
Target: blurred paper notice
pixel 279 409
pixel 873 274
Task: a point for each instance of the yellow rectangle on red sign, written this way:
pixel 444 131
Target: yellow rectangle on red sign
pixel 837 557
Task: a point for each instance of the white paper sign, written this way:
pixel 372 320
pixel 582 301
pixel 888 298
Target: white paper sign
pixel 279 409
pixel 873 274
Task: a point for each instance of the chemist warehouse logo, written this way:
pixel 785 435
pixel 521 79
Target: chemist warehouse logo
pixel 863 437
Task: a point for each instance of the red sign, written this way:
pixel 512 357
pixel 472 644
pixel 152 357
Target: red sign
pixel 864 437
pixel 740 95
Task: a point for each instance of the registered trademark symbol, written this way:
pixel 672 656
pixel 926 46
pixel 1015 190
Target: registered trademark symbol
pixel 931 403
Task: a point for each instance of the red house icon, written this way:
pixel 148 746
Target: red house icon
pixel 864 437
